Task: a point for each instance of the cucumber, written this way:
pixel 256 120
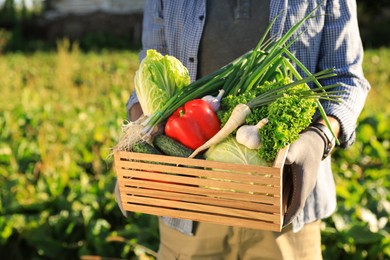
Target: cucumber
pixel 144 147
pixel 169 146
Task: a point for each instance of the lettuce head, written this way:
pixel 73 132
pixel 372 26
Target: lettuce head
pixel 157 79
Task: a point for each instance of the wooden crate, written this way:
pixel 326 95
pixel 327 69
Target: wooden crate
pixel 201 190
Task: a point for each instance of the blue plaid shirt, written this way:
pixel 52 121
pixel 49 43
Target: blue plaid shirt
pixel 331 39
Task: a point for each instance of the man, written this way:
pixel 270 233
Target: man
pixel 205 35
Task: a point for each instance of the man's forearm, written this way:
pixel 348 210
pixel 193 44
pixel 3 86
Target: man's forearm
pixel 334 123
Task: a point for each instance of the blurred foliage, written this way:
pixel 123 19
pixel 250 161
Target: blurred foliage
pixel 60 113
pixel 374 20
pixel 23 29
pixel 360 227
pixel 22 26
pixel 376 68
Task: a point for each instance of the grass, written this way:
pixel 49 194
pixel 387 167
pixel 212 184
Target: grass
pixel 376 68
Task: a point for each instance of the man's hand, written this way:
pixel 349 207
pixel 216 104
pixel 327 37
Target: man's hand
pixel 303 158
pixel 118 199
pixel 302 163
pixel 134 112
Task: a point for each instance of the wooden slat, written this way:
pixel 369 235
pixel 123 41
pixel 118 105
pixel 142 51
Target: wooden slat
pixel 281 158
pixel 198 198
pixel 213 183
pixel 204 208
pixel 171 187
pixel 119 156
pixel 271 177
pixel 196 216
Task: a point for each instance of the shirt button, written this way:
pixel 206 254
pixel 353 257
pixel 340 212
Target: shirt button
pixel 201 17
pixel 191 59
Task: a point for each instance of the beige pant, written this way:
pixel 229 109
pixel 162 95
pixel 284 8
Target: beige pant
pixel 214 242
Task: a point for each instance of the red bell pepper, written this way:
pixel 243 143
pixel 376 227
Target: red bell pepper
pixel 193 124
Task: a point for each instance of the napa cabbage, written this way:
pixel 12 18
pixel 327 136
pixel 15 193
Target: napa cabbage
pixel 157 79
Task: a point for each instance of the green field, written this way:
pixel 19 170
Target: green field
pixel 61 113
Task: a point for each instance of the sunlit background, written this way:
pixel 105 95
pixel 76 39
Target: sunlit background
pixel 67 69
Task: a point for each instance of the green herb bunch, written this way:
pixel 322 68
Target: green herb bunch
pixel 287 116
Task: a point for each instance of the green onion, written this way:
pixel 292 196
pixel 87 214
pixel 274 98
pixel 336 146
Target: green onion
pixel 262 64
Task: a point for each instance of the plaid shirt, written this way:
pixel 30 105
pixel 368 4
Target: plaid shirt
pixel 330 40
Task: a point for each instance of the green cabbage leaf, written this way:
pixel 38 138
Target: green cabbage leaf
pixel 157 79
pixel 230 151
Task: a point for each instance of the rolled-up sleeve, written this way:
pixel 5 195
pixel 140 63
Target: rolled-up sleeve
pixel 341 48
pixel 153 32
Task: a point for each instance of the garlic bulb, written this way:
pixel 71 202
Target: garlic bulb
pixel 214 102
pixel 248 135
